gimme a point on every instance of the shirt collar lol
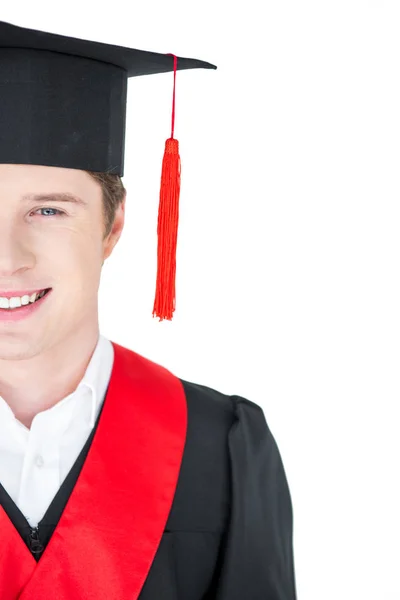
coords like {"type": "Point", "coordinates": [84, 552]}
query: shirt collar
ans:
{"type": "Point", "coordinates": [97, 376]}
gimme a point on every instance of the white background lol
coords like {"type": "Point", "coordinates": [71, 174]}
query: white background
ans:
{"type": "Point", "coordinates": [288, 249]}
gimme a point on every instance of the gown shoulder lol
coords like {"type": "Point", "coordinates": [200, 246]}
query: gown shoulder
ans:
{"type": "Point", "coordinates": [256, 559]}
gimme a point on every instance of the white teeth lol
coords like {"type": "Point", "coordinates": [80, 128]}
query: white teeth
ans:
{"type": "Point", "coordinates": [16, 302]}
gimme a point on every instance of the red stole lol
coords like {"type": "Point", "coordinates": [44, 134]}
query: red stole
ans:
{"type": "Point", "coordinates": [111, 527]}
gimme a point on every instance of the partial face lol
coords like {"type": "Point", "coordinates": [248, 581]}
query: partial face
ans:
{"type": "Point", "coordinates": [51, 244]}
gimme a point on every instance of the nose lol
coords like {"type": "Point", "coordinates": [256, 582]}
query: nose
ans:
{"type": "Point", "coordinates": [15, 254]}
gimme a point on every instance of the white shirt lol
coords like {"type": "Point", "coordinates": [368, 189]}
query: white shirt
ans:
{"type": "Point", "coordinates": [34, 462]}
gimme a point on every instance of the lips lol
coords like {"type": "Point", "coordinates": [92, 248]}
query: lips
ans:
{"type": "Point", "coordinates": [17, 308]}
{"type": "Point", "coordinates": [47, 290]}
{"type": "Point", "coordinates": [21, 293]}
{"type": "Point", "coordinates": [11, 316]}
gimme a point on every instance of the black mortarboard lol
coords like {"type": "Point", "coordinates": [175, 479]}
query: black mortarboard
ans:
{"type": "Point", "coordinates": [63, 104]}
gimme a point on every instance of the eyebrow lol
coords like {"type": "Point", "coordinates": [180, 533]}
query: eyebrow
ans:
{"type": "Point", "coordinates": [57, 197]}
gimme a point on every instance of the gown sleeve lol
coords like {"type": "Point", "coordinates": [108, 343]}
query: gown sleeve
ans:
{"type": "Point", "coordinates": [257, 561]}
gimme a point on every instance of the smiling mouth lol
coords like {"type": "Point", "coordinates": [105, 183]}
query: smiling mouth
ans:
{"type": "Point", "coordinates": [25, 306]}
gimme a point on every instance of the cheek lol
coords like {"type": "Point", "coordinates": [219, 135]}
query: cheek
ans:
{"type": "Point", "coordinates": [71, 244]}
{"type": "Point", "coordinates": [76, 258]}
{"type": "Point", "coordinates": [71, 261]}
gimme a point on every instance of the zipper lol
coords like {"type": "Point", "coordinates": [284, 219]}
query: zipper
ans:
{"type": "Point", "coordinates": [35, 545]}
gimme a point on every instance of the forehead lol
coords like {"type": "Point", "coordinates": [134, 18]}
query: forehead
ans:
{"type": "Point", "coordinates": [26, 181]}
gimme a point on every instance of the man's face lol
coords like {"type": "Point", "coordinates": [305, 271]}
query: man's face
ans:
{"type": "Point", "coordinates": [51, 244]}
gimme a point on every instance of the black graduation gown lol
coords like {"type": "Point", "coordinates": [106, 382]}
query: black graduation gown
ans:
{"type": "Point", "coordinates": [229, 534]}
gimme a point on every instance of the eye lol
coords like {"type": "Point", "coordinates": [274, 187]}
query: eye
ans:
{"type": "Point", "coordinates": [49, 208]}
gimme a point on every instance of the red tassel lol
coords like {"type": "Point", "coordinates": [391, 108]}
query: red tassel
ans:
{"type": "Point", "coordinates": [167, 229]}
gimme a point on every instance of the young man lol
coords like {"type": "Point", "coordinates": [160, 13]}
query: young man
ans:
{"type": "Point", "coordinates": [118, 479]}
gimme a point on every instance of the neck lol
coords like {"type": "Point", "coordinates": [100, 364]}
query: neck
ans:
{"type": "Point", "coordinates": [33, 384]}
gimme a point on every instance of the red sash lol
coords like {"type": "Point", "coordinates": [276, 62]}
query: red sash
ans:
{"type": "Point", "coordinates": [111, 527]}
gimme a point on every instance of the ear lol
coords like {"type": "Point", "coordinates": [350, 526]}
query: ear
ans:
{"type": "Point", "coordinates": [115, 233]}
